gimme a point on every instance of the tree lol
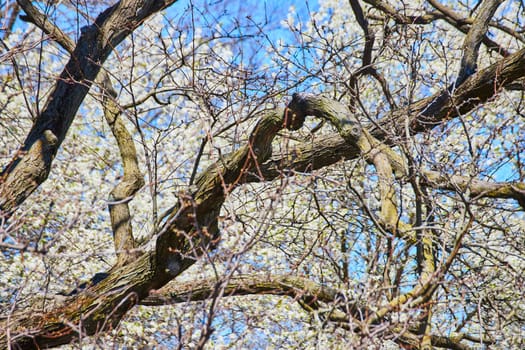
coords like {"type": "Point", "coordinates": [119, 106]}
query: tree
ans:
{"type": "Point", "coordinates": [347, 176]}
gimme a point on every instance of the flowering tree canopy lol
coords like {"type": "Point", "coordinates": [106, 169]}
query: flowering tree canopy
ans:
{"type": "Point", "coordinates": [262, 174]}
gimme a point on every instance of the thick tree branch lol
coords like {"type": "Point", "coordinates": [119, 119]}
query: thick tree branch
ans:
{"type": "Point", "coordinates": [101, 307]}
{"type": "Point", "coordinates": [188, 232]}
{"type": "Point", "coordinates": [387, 163]}
{"type": "Point", "coordinates": [474, 37]}
{"type": "Point", "coordinates": [422, 116]}
{"type": "Point", "coordinates": [331, 149]}
{"type": "Point", "coordinates": [439, 180]}
{"type": "Point", "coordinates": [377, 154]}
{"type": "Point", "coordinates": [191, 228]}
{"type": "Point", "coordinates": [293, 286]}
{"type": "Point", "coordinates": [132, 179]}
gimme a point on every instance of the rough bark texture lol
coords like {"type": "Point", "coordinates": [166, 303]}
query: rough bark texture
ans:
{"type": "Point", "coordinates": [101, 308]}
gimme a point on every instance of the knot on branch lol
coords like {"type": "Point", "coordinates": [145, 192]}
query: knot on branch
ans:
{"type": "Point", "coordinates": [49, 142]}
{"type": "Point", "coordinates": [351, 132]}
{"type": "Point", "coordinates": [296, 111]}
{"type": "Point", "coordinates": [96, 279]}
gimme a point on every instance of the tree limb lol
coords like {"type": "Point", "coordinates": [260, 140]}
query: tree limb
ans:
{"type": "Point", "coordinates": [474, 37]}
{"type": "Point", "coordinates": [422, 115]}
{"type": "Point", "coordinates": [42, 21]}
{"type": "Point", "coordinates": [456, 20]}
{"type": "Point", "coordinates": [300, 289]}
{"type": "Point", "coordinates": [132, 179]}
{"type": "Point", "coordinates": [293, 286]}
{"type": "Point", "coordinates": [189, 231]}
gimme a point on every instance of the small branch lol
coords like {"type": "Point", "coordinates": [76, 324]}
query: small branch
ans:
{"type": "Point", "coordinates": [132, 179]}
{"type": "Point", "coordinates": [386, 162]}
{"type": "Point", "coordinates": [366, 67]}
{"type": "Point", "coordinates": [392, 12]}
{"type": "Point", "coordinates": [457, 21]}
{"type": "Point", "coordinates": [446, 14]}
{"type": "Point", "coordinates": [423, 18]}
{"type": "Point", "coordinates": [369, 36]}
{"type": "Point", "coordinates": [477, 188]}
{"type": "Point", "coordinates": [33, 15]}
{"type": "Point", "coordinates": [474, 37]}
{"type": "Point", "coordinates": [310, 295]}
{"type": "Point", "coordinates": [7, 23]}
